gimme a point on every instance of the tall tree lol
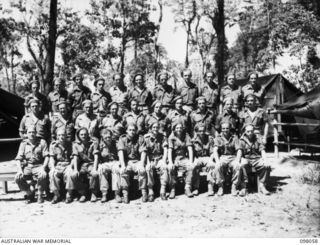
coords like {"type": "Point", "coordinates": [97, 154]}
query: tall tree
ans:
{"type": "Point", "coordinates": [51, 48]}
{"type": "Point", "coordinates": [185, 13]}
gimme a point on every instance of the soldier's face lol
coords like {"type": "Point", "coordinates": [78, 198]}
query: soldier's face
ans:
{"type": "Point", "coordinates": [155, 128]}
{"type": "Point", "coordinates": [201, 105]}
{"type": "Point", "coordinates": [83, 135]}
{"type": "Point", "coordinates": [163, 79]}
{"type": "Point", "coordinates": [63, 109]}
{"type": "Point", "coordinates": [228, 105]}
{"type": "Point", "coordinates": [201, 131]}
{"type": "Point", "coordinates": [235, 108]}
{"type": "Point", "coordinates": [187, 76]}
{"type": "Point", "coordinates": [225, 129]}
{"type": "Point", "coordinates": [157, 108]}
{"type": "Point", "coordinates": [34, 87]}
{"type": "Point", "coordinates": [106, 137]}
{"type": "Point", "coordinates": [78, 81]}
{"type": "Point", "coordinates": [58, 86]}
{"type": "Point", "coordinates": [230, 80]}
{"type": "Point", "coordinates": [253, 78]}
{"type": "Point", "coordinates": [87, 108]}
{"type": "Point", "coordinates": [178, 104]}
{"type": "Point", "coordinates": [209, 77]}
{"type": "Point", "coordinates": [250, 102]}
{"type": "Point", "coordinates": [131, 131]}
{"type": "Point", "coordinates": [134, 106]}
{"type": "Point", "coordinates": [31, 134]}
{"type": "Point", "coordinates": [249, 132]}
{"type": "Point", "coordinates": [100, 85]}
{"type": "Point", "coordinates": [139, 81]}
{"type": "Point", "coordinates": [117, 79]}
{"type": "Point", "coordinates": [61, 136]}
{"type": "Point", "coordinates": [114, 110]}
{"type": "Point", "coordinates": [178, 129]}
{"type": "Point", "coordinates": [34, 107]}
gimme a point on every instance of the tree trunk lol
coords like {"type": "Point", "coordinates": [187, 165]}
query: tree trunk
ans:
{"type": "Point", "coordinates": [13, 80]}
{"type": "Point", "coordinates": [186, 63]}
{"type": "Point", "coordinates": [49, 73]}
{"type": "Point", "coordinates": [219, 27]}
{"type": "Point", "coordinates": [122, 56]}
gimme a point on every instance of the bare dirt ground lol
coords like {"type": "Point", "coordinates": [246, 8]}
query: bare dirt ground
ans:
{"type": "Point", "coordinates": [293, 210]}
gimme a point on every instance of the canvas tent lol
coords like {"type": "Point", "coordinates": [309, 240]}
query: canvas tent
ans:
{"type": "Point", "coordinates": [11, 113]}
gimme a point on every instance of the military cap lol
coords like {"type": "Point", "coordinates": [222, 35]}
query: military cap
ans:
{"type": "Point", "coordinates": [79, 74]}
{"type": "Point", "coordinates": [201, 98]}
{"type": "Point", "coordinates": [112, 103]}
{"type": "Point", "coordinates": [62, 101]}
{"type": "Point", "coordinates": [97, 80]}
{"type": "Point", "coordinates": [251, 95]}
{"type": "Point", "coordinates": [177, 98]}
{"type": "Point", "coordinates": [175, 123]}
{"type": "Point", "coordinates": [156, 102]}
{"type": "Point", "coordinates": [226, 99]}
{"type": "Point", "coordinates": [33, 100]}
{"type": "Point", "coordinates": [87, 102]}
{"type": "Point", "coordinates": [162, 73]}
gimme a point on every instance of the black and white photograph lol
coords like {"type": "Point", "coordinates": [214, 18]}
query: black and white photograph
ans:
{"type": "Point", "coordinates": [159, 119]}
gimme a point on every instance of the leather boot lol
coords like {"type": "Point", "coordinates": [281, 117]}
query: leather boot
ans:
{"type": "Point", "coordinates": [125, 196]}
{"type": "Point", "coordinates": [117, 197]}
{"type": "Point", "coordinates": [234, 191]}
{"type": "Point", "coordinates": [55, 199]}
{"type": "Point", "coordinates": [68, 197]}
{"type": "Point", "coordinates": [188, 192]}
{"type": "Point", "coordinates": [263, 189]}
{"type": "Point", "coordinates": [172, 193]}
{"type": "Point", "coordinates": [220, 190]}
{"type": "Point", "coordinates": [144, 195]}
{"type": "Point", "coordinates": [104, 198]}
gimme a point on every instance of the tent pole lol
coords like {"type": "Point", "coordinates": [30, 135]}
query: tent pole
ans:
{"type": "Point", "coordinates": [276, 138]}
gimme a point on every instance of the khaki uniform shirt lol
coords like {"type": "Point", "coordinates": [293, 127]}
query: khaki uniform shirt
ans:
{"type": "Point", "coordinates": [59, 152]}
{"type": "Point", "coordinates": [107, 153]}
{"type": "Point", "coordinates": [143, 97]}
{"type": "Point", "coordinates": [175, 116]}
{"type": "Point", "coordinates": [131, 148]}
{"type": "Point", "coordinates": [90, 123]}
{"type": "Point", "coordinates": [154, 145]}
{"type": "Point", "coordinates": [206, 118]}
{"type": "Point", "coordinates": [84, 152]}
{"type": "Point", "coordinates": [55, 97]}
{"type": "Point", "coordinates": [203, 148]}
{"type": "Point", "coordinates": [162, 120]}
{"type": "Point", "coordinates": [229, 117]}
{"type": "Point", "coordinates": [164, 94]}
{"type": "Point", "coordinates": [59, 122]}
{"type": "Point", "coordinates": [137, 119]}
{"type": "Point", "coordinates": [228, 91]}
{"type": "Point", "coordinates": [41, 123]}
{"type": "Point", "coordinates": [211, 95]}
{"type": "Point", "coordinates": [227, 146]}
{"type": "Point", "coordinates": [258, 121]}
{"type": "Point", "coordinates": [179, 146]}
{"type": "Point", "coordinates": [100, 100]}
{"type": "Point", "coordinates": [77, 96]}
{"type": "Point", "coordinates": [113, 124]}
{"type": "Point", "coordinates": [257, 90]}
{"type": "Point", "coordinates": [189, 95]}
{"type": "Point", "coordinates": [33, 154]}
{"type": "Point", "coordinates": [251, 150]}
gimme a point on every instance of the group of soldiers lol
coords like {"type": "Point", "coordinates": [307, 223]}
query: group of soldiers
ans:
{"type": "Point", "coordinates": [84, 144]}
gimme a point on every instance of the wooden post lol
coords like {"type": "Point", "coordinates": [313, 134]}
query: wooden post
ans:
{"type": "Point", "coordinates": [5, 187]}
{"type": "Point", "coordinates": [276, 138]}
{"type": "Point", "coordinates": [288, 139]}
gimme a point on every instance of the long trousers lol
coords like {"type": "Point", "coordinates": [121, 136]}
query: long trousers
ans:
{"type": "Point", "coordinates": [260, 167]}
{"type": "Point", "coordinates": [107, 170]}
{"type": "Point", "coordinates": [34, 173]}
{"type": "Point", "coordinates": [87, 179]}
{"type": "Point", "coordinates": [159, 167]}
{"type": "Point", "coordinates": [186, 167]}
{"type": "Point", "coordinates": [200, 163]}
{"type": "Point", "coordinates": [62, 173]}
